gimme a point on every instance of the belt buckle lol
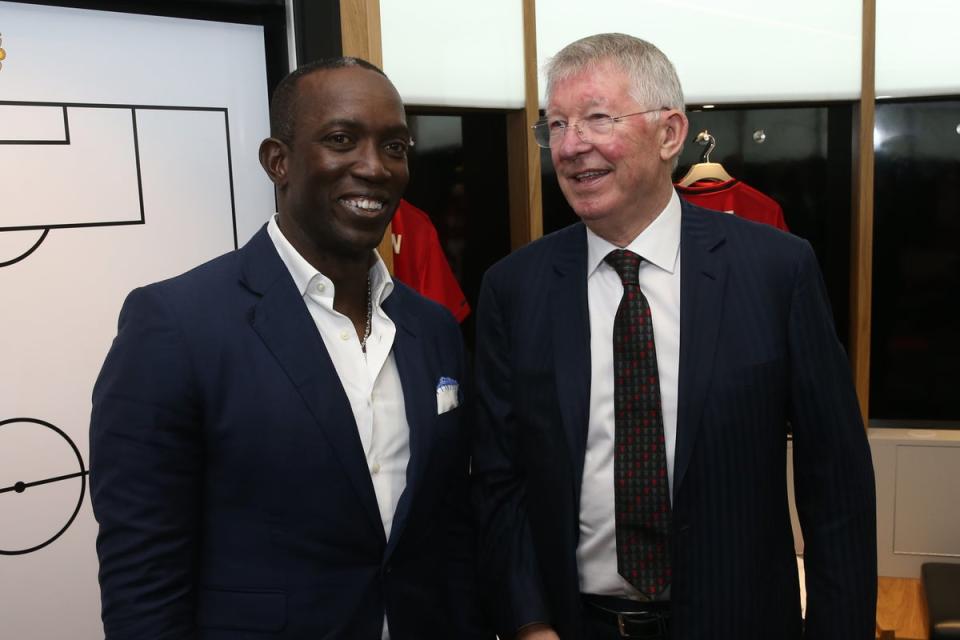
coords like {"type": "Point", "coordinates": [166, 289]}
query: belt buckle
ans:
{"type": "Point", "coordinates": [644, 618]}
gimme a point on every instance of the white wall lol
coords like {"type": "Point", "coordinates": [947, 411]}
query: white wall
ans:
{"type": "Point", "coordinates": [730, 51]}
{"type": "Point", "coordinates": [918, 481]}
{"type": "Point", "coordinates": [918, 50]}
{"type": "Point", "coordinates": [459, 54]}
{"type": "Point", "coordinates": [470, 54]}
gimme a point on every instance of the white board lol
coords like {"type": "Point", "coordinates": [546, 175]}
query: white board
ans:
{"type": "Point", "coordinates": [128, 154]}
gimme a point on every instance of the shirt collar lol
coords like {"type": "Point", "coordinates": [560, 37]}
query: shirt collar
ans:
{"type": "Point", "coordinates": [304, 273]}
{"type": "Point", "coordinates": [658, 244]}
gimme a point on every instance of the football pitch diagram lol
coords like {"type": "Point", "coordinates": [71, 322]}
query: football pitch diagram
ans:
{"type": "Point", "coordinates": [80, 165]}
{"type": "Point", "coordinates": [71, 166]}
{"type": "Point", "coordinates": [37, 503]}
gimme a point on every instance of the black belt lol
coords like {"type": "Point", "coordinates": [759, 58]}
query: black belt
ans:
{"type": "Point", "coordinates": [631, 618]}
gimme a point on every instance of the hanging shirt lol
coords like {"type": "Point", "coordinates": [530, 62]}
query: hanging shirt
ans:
{"type": "Point", "coordinates": [737, 198]}
{"type": "Point", "coordinates": [419, 261]}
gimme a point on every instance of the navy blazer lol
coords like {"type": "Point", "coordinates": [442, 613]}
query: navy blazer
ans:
{"type": "Point", "coordinates": [758, 350]}
{"type": "Point", "coordinates": [228, 478]}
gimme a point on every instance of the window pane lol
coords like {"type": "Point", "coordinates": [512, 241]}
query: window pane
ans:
{"type": "Point", "coordinates": [916, 263]}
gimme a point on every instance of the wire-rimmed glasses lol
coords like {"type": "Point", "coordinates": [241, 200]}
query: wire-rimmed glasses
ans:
{"type": "Point", "coordinates": [593, 130]}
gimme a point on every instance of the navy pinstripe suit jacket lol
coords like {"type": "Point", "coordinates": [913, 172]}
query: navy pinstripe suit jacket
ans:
{"type": "Point", "coordinates": [231, 486]}
{"type": "Point", "coordinates": [758, 350]}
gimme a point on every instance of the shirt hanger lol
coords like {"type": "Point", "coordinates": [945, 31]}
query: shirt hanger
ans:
{"type": "Point", "coordinates": [705, 170]}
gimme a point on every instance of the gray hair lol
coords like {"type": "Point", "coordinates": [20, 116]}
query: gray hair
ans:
{"type": "Point", "coordinates": [654, 80]}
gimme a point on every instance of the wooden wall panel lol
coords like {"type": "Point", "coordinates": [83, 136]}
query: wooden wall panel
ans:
{"type": "Point", "coordinates": [861, 238]}
{"type": "Point", "coordinates": [523, 161]}
{"type": "Point", "coordinates": [360, 32]}
{"type": "Point", "coordinates": [360, 29]}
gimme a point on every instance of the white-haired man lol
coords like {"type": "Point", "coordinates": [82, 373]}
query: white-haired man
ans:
{"type": "Point", "coordinates": [636, 374]}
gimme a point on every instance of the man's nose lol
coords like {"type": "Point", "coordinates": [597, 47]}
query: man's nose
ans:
{"type": "Point", "coordinates": [369, 162]}
{"type": "Point", "coordinates": [570, 144]}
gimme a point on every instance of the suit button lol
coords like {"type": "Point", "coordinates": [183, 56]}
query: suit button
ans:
{"type": "Point", "coordinates": [387, 570]}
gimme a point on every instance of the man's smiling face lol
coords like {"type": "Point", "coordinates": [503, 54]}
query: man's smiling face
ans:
{"type": "Point", "coordinates": [606, 183]}
{"type": "Point", "coordinates": [346, 166]}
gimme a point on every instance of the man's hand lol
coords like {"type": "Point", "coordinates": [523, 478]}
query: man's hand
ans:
{"type": "Point", "coordinates": [537, 632]}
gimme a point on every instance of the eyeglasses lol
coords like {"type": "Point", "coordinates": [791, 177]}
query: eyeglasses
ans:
{"type": "Point", "coordinates": [595, 129]}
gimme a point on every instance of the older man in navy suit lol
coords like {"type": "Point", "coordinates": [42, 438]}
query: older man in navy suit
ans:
{"type": "Point", "coordinates": [276, 444]}
{"type": "Point", "coordinates": [636, 374]}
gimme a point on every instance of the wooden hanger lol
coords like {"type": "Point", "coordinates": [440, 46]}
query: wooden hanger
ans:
{"type": "Point", "coordinates": [705, 170]}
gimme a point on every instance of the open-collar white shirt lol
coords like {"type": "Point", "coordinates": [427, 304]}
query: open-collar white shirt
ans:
{"type": "Point", "coordinates": [371, 381]}
{"type": "Point", "coordinates": [659, 275]}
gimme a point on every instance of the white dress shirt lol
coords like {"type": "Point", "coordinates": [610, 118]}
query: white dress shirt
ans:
{"type": "Point", "coordinates": [659, 275]}
{"type": "Point", "coordinates": [371, 381]}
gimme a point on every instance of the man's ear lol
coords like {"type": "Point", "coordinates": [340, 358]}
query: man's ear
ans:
{"type": "Point", "coordinates": [273, 159]}
{"type": "Point", "coordinates": [673, 133]}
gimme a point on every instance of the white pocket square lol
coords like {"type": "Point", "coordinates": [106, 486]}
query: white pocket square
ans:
{"type": "Point", "coordinates": [448, 395]}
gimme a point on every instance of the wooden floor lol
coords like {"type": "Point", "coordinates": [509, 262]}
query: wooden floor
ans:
{"type": "Point", "coordinates": [901, 609]}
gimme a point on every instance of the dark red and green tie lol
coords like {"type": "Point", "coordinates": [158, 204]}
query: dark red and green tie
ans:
{"type": "Point", "coordinates": [641, 489]}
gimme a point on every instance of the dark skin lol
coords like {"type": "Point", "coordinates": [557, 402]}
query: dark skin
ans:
{"type": "Point", "coordinates": [339, 180]}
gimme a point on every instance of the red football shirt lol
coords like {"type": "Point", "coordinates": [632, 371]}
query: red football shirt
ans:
{"type": "Point", "coordinates": [419, 261]}
{"type": "Point", "coordinates": [737, 198]}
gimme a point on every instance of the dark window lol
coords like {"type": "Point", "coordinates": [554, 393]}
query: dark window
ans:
{"type": "Point", "coordinates": [916, 264]}
{"type": "Point", "coordinates": [458, 176]}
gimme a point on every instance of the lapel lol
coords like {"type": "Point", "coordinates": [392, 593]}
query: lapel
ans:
{"type": "Point", "coordinates": [571, 343]}
{"type": "Point", "coordinates": [419, 403]}
{"type": "Point", "coordinates": [282, 321]}
{"type": "Point", "coordinates": [703, 274]}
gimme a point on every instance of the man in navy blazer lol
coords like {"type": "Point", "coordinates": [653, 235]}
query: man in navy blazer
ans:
{"type": "Point", "coordinates": [276, 443]}
{"type": "Point", "coordinates": [744, 346]}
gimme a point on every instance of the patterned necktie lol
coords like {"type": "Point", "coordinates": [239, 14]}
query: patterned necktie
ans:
{"type": "Point", "coordinates": [641, 490]}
